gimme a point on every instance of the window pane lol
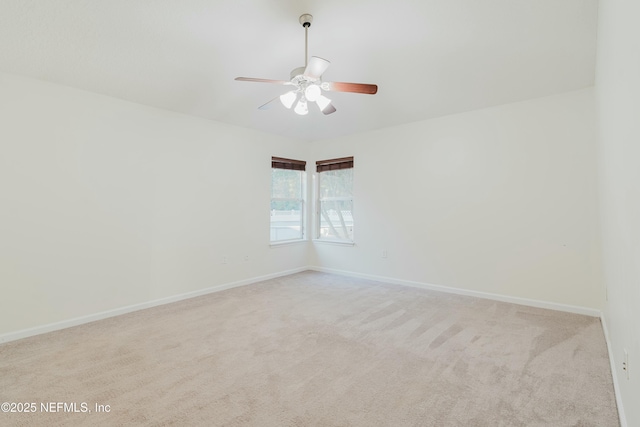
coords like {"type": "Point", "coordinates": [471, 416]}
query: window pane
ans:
{"type": "Point", "coordinates": [286, 184]}
{"type": "Point", "coordinates": [286, 220]}
{"type": "Point", "coordinates": [337, 183]}
{"type": "Point", "coordinates": [336, 219]}
{"type": "Point", "coordinates": [287, 203]}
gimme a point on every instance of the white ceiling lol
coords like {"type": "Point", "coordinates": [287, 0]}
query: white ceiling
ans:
{"type": "Point", "coordinates": [429, 57]}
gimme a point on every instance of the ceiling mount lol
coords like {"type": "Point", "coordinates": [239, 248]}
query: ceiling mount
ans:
{"type": "Point", "coordinates": [306, 20]}
{"type": "Point", "coordinates": [308, 84]}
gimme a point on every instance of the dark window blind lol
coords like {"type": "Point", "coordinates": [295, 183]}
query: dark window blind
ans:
{"type": "Point", "coordinates": [334, 164]}
{"type": "Point", "coordinates": [282, 163]}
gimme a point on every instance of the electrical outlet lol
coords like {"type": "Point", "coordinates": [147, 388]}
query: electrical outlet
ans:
{"type": "Point", "coordinates": [246, 258]}
{"type": "Point", "coordinates": [625, 363]}
{"type": "Point", "coordinates": [224, 260]}
{"type": "Point", "coordinates": [384, 253]}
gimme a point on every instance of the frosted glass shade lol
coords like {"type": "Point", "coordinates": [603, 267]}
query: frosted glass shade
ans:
{"type": "Point", "coordinates": [323, 102]}
{"type": "Point", "coordinates": [312, 92]}
{"type": "Point", "coordinates": [301, 107]}
{"type": "Point", "coordinates": [288, 99]}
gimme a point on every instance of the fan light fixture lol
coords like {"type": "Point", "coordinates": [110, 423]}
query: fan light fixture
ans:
{"type": "Point", "coordinates": [308, 84]}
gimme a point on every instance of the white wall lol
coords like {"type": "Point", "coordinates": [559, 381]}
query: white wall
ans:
{"type": "Point", "coordinates": [105, 204]}
{"type": "Point", "coordinates": [501, 200]}
{"type": "Point", "coordinates": [618, 102]}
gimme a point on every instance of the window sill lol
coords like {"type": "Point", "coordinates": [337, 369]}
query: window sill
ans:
{"type": "Point", "coordinates": [287, 243]}
{"type": "Point", "coordinates": [334, 242]}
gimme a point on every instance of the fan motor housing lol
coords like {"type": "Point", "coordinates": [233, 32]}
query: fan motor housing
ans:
{"type": "Point", "coordinates": [297, 74]}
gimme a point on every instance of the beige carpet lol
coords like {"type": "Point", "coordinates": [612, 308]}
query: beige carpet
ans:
{"type": "Point", "coordinates": [316, 349]}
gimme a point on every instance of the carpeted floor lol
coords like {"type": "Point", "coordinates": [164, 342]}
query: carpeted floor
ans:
{"type": "Point", "coordinates": [315, 349]}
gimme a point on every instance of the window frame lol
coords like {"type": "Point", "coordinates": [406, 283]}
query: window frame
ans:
{"type": "Point", "coordinates": [327, 166]}
{"type": "Point", "coordinates": [292, 165]}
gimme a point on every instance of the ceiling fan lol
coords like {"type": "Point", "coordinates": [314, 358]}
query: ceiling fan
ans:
{"type": "Point", "coordinates": [307, 82]}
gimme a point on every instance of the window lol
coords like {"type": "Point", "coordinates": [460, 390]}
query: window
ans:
{"type": "Point", "coordinates": [287, 199]}
{"type": "Point", "coordinates": [335, 199]}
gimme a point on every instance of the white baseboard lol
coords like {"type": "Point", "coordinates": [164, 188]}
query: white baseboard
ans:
{"type": "Point", "coordinates": [11, 336]}
{"type": "Point", "coordinates": [486, 295]}
{"type": "Point", "coordinates": [616, 384]}
{"type": "Point", "coordinates": [24, 333]}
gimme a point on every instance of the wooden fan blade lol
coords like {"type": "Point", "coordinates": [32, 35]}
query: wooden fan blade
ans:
{"type": "Point", "coordinates": [351, 87]}
{"type": "Point", "coordinates": [251, 79]}
{"type": "Point", "coordinates": [316, 67]}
